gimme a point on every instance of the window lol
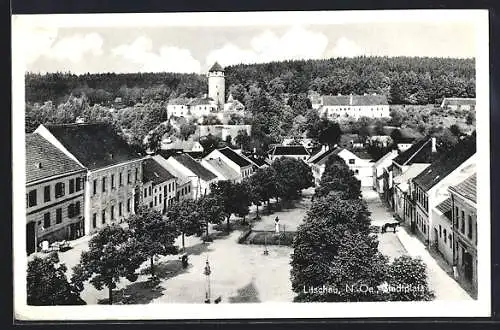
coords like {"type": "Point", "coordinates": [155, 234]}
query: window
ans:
{"type": "Point", "coordinates": [469, 232]}
{"type": "Point", "coordinates": [71, 210]}
{"type": "Point", "coordinates": [58, 215]}
{"type": "Point", "coordinates": [78, 184]}
{"type": "Point", "coordinates": [32, 198]}
{"type": "Point", "coordinates": [95, 187]}
{"type": "Point", "coordinates": [462, 226]}
{"type": "Point", "coordinates": [112, 212]}
{"type": "Point", "coordinates": [449, 238]}
{"type": "Point", "coordinates": [351, 161]}
{"type": "Point", "coordinates": [440, 231]}
{"type": "Point", "coordinates": [112, 181]}
{"type": "Point", "coordinates": [444, 232]}
{"type": "Point", "coordinates": [46, 194]}
{"type": "Point", "coordinates": [77, 208]}
{"type": "Point", "coordinates": [46, 220]}
{"type": "Point", "coordinates": [169, 187]}
{"type": "Point", "coordinates": [356, 171]}
{"type": "Point", "coordinates": [120, 209]}
{"type": "Point", "coordinates": [151, 204]}
{"type": "Point", "coordinates": [159, 199]}
{"type": "Point", "coordinates": [94, 220]}
{"type": "Point", "coordinates": [120, 179]}
{"type": "Point", "coordinates": [136, 174]}
{"type": "Point", "coordinates": [128, 205]}
{"type": "Point", "coordinates": [128, 177]}
{"type": "Point", "coordinates": [59, 189]}
{"type": "Point", "coordinates": [150, 191]}
{"type": "Point", "coordinates": [145, 193]}
{"type": "Point", "coordinates": [104, 184]}
{"type": "Point", "coordinates": [71, 186]}
{"type": "Point", "coordinates": [189, 188]}
{"type": "Point", "coordinates": [103, 216]}
{"type": "Point", "coordinates": [156, 201]}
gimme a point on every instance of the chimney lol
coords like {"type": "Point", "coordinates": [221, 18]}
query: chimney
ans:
{"type": "Point", "coordinates": [350, 99]}
{"type": "Point", "coordinates": [205, 95]}
{"type": "Point", "coordinates": [433, 141]}
{"type": "Point", "coordinates": [254, 150]}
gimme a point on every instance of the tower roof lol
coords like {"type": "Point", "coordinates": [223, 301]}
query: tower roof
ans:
{"type": "Point", "coordinates": [216, 67]}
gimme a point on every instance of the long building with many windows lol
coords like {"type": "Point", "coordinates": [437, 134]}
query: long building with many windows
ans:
{"type": "Point", "coordinates": [114, 171]}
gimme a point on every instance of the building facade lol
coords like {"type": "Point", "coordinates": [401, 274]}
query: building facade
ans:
{"type": "Point", "coordinates": [114, 170]}
{"type": "Point", "coordinates": [353, 106]}
{"type": "Point", "coordinates": [235, 161]}
{"type": "Point", "coordinates": [297, 152]}
{"type": "Point", "coordinates": [464, 214]}
{"type": "Point", "coordinates": [378, 170]}
{"type": "Point", "coordinates": [55, 186]}
{"type": "Point", "coordinates": [159, 186]}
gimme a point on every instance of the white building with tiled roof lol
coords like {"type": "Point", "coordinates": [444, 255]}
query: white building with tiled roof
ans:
{"type": "Point", "coordinates": [54, 194]}
{"type": "Point", "coordinates": [353, 106]}
{"type": "Point", "coordinates": [458, 103]}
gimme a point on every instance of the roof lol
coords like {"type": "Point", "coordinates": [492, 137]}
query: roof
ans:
{"type": "Point", "coordinates": [419, 152]}
{"type": "Point", "coordinates": [445, 207]}
{"type": "Point", "coordinates": [259, 161]}
{"type": "Point", "coordinates": [324, 157]}
{"type": "Point", "coordinates": [289, 150]}
{"type": "Point", "coordinates": [361, 154]}
{"type": "Point", "coordinates": [443, 166]}
{"type": "Point", "coordinates": [225, 170]}
{"type": "Point", "coordinates": [458, 101]}
{"type": "Point", "coordinates": [235, 157]}
{"type": "Point", "coordinates": [181, 177]}
{"type": "Point", "coordinates": [385, 157]}
{"type": "Point", "coordinates": [180, 144]}
{"type": "Point", "coordinates": [152, 171]}
{"type": "Point", "coordinates": [467, 188]}
{"type": "Point", "coordinates": [216, 67]}
{"type": "Point", "coordinates": [201, 101]}
{"type": "Point", "coordinates": [94, 145]}
{"type": "Point", "coordinates": [412, 171]}
{"type": "Point", "coordinates": [357, 100]}
{"type": "Point", "coordinates": [44, 160]}
{"type": "Point", "coordinates": [179, 101]}
{"type": "Point", "coordinates": [195, 167]}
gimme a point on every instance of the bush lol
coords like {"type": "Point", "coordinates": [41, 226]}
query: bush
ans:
{"type": "Point", "coordinates": [270, 238]}
{"type": "Point", "coordinates": [244, 236]}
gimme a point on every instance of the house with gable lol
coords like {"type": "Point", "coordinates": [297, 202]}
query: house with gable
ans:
{"type": "Point", "coordinates": [159, 186]}
{"type": "Point", "coordinates": [55, 186]}
{"type": "Point", "coordinates": [354, 106]}
{"type": "Point", "coordinates": [430, 187]}
{"type": "Point", "coordinates": [182, 189]}
{"type": "Point", "coordinates": [114, 170]}
{"type": "Point", "coordinates": [458, 103]}
{"type": "Point", "coordinates": [200, 176]}
{"type": "Point", "coordinates": [463, 197]}
{"type": "Point", "coordinates": [233, 161]}
{"type": "Point", "coordinates": [291, 151]}
{"type": "Point", "coordinates": [378, 170]}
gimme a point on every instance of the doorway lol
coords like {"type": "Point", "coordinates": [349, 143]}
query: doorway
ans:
{"type": "Point", "coordinates": [467, 264]}
{"type": "Point", "coordinates": [30, 238]}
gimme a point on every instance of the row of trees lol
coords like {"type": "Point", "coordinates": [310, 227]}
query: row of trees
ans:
{"type": "Point", "coordinates": [117, 252]}
{"type": "Point", "coordinates": [334, 248]}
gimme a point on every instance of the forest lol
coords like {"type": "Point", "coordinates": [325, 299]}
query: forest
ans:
{"type": "Point", "coordinates": [275, 94]}
{"type": "Point", "coordinates": [404, 80]}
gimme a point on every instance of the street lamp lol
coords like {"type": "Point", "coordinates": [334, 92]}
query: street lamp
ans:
{"type": "Point", "coordinates": [207, 273]}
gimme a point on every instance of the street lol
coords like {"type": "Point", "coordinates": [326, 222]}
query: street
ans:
{"type": "Point", "coordinates": [394, 245]}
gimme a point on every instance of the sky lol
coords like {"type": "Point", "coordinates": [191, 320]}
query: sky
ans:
{"type": "Point", "coordinates": [194, 48]}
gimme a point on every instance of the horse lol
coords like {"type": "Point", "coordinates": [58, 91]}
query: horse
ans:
{"type": "Point", "coordinates": [392, 225]}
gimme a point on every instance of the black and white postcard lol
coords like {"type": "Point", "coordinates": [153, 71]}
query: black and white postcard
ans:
{"type": "Point", "coordinates": [251, 165]}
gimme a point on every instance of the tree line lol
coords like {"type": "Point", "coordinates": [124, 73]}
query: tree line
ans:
{"type": "Point", "coordinates": [117, 252]}
{"type": "Point", "coordinates": [336, 257]}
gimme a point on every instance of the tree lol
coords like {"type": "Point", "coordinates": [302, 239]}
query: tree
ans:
{"type": "Point", "coordinates": [186, 217]}
{"type": "Point", "coordinates": [338, 177]}
{"type": "Point", "coordinates": [210, 142]}
{"type": "Point", "coordinates": [233, 197]}
{"type": "Point", "coordinates": [186, 130]}
{"type": "Point", "coordinates": [292, 175]}
{"type": "Point", "coordinates": [113, 253]}
{"type": "Point", "coordinates": [471, 118]}
{"type": "Point", "coordinates": [211, 120]}
{"type": "Point", "coordinates": [329, 132]}
{"type": "Point", "coordinates": [243, 140]}
{"type": "Point", "coordinates": [210, 210]}
{"type": "Point", "coordinates": [411, 275]}
{"type": "Point", "coordinates": [333, 247]}
{"type": "Point", "coordinates": [47, 283]}
{"type": "Point", "coordinates": [154, 235]}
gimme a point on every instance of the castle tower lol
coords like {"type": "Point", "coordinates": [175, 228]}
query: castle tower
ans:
{"type": "Point", "coordinates": [216, 85]}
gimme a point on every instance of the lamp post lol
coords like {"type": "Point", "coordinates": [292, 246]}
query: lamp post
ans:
{"type": "Point", "coordinates": [207, 273]}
